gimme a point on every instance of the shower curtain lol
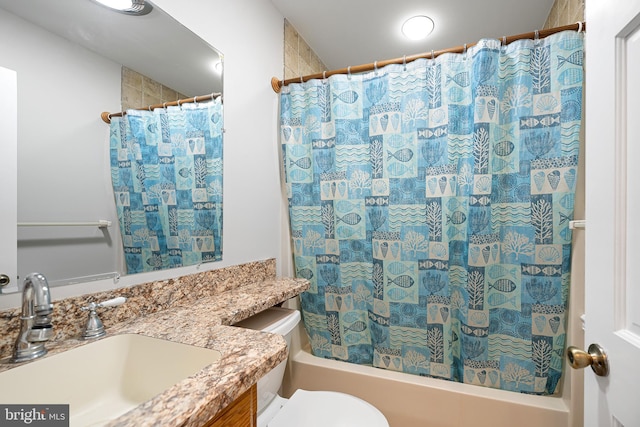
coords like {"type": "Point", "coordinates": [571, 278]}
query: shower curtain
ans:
{"type": "Point", "coordinates": [166, 170]}
{"type": "Point", "coordinates": [430, 206]}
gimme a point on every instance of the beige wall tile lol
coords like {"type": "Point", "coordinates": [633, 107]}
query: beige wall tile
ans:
{"type": "Point", "coordinates": [131, 97]}
{"type": "Point", "coordinates": [299, 58]}
{"type": "Point", "coordinates": [138, 91]}
{"type": "Point", "coordinates": [316, 64]}
{"type": "Point", "coordinates": [131, 78]}
{"type": "Point", "coordinates": [151, 88]}
{"type": "Point", "coordinates": [576, 10]}
{"type": "Point", "coordinates": [291, 58]}
{"type": "Point", "coordinates": [150, 100]}
{"type": "Point", "coordinates": [565, 12]}
{"type": "Point", "coordinates": [168, 94]}
{"type": "Point", "coordinates": [289, 73]}
{"type": "Point", "coordinates": [552, 19]}
{"type": "Point", "coordinates": [304, 51]}
{"type": "Point", "coordinates": [290, 35]}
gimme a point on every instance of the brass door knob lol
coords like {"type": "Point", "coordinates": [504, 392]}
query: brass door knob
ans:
{"type": "Point", "coordinates": [594, 357]}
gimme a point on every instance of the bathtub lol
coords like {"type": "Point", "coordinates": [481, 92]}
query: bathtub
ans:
{"type": "Point", "coordinates": [412, 401]}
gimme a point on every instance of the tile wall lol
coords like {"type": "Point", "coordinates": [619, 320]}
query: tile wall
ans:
{"type": "Point", "coordinates": [565, 12]}
{"type": "Point", "coordinates": [139, 91]}
{"type": "Point", "coordinates": [299, 59]}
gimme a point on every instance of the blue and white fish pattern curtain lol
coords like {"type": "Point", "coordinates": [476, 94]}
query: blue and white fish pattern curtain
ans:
{"type": "Point", "coordinates": [430, 207]}
{"type": "Point", "coordinates": [166, 170]}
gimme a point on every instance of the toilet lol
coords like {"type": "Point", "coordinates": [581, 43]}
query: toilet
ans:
{"type": "Point", "coordinates": [303, 408]}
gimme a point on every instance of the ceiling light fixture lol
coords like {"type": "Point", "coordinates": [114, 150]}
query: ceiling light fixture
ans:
{"type": "Point", "coordinates": [130, 7]}
{"type": "Point", "coordinates": [417, 27]}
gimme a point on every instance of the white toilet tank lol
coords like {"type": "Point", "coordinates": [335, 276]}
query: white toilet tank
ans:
{"type": "Point", "coordinates": [275, 320]}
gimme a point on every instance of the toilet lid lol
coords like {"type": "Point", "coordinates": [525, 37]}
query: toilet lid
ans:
{"type": "Point", "coordinates": [327, 409]}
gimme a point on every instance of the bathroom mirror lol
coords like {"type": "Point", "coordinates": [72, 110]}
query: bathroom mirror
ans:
{"type": "Point", "coordinates": [69, 57]}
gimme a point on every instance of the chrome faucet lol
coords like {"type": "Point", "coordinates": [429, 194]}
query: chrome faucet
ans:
{"type": "Point", "coordinates": [35, 321]}
{"type": "Point", "coordinates": [94, 327]}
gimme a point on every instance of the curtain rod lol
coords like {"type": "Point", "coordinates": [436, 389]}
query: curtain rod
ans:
{"type": "Point", "coordinates": [106, 116]}
{"type": "Point", "coordinates": [278, 84]}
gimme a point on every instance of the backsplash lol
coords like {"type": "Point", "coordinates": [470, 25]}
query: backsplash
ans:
{"type": "Point", "coordinates": [69, 320]}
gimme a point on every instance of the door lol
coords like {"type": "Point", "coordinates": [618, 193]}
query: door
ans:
{"type": "Point", "coordinates": [612, 294]}
{"type": "Point", "coordinates": [8, 179]}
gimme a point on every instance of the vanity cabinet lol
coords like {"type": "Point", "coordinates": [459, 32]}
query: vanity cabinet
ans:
{"type": "Point", "coordinates": [242, 412]}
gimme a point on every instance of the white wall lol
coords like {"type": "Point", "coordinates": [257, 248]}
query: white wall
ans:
{"type": "Point", "coordinates": [250, 35]}
{"type": "Point", "coordinates": [62, 157]}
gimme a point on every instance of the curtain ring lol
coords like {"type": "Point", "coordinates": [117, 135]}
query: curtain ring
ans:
{"type": "Point", "coordinates": [109, 116]}
{"type": "Point", "coordinates": [432, 55]}
{"type": "Point", "coordinates": [164, 105]}
{"type": "Point", "coordinates": [195, 101]}
{"type": "Point", "coordinates": [375, 67]}
{"type": "Point", "coordinates": [178, 102]}
{"type": "Point", "coordinates": [404, 62]}
{"type": "Point", "coordinates": [536, 38]}
{"type": "Point", "coordinates": [579, 26]}
{"type": "Point", "coordinates": [301, 81]}
{"type": "Point", "coordinates": [324, 75]}
{"type": "Point", "coordinates": [504, 40]}
{"type": "Point", "coordinates": [349, 72]}
{"type": "Point", "coordinates": [464, 51]}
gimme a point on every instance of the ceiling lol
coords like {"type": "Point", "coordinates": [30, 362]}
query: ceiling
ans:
{"type": "Point", "coordinates": [176, 57]}
{"type": "Point", "coordinates": [354, 32]}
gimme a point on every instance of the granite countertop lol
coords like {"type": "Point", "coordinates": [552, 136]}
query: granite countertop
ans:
{"type": "Point", "coordinates": [247, 355]}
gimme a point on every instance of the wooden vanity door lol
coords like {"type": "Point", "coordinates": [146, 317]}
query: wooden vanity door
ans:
{"type": "Point", "coordinates": [242, 412]}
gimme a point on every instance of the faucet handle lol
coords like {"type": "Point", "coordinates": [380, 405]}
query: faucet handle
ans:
{"type": "Point", "coordinates": [94, 327]}
{"type": "Point", "coordinates": [113, 302]}
{"type": "Point", "coordinates": [108, 303]}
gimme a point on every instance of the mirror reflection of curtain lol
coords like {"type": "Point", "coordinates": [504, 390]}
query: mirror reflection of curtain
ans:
{"type": "Point", "coordinates": [166, 170]}
{"type": "Point", "coordinates": [430, 211]}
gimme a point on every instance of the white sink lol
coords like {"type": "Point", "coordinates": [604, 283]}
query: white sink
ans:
{"type": "Point", "coordinates": [104, 379]}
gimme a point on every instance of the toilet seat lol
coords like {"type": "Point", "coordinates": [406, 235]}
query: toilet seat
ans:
{"type": "Point", "coordinates": [327, 409]}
